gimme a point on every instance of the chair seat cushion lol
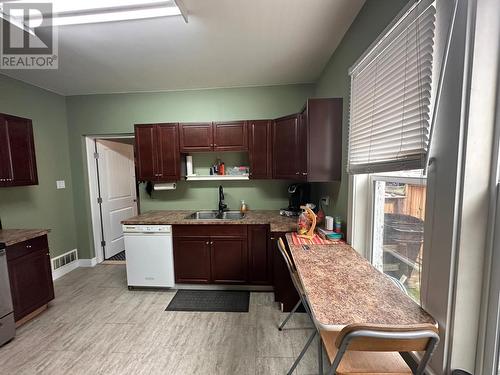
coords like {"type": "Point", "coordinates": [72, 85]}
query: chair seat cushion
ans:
{"type": "Point", "coordinates": [357, 362]}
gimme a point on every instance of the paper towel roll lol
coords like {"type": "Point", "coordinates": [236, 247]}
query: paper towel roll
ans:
{"type": "Point", "coordinates": [165, 186]}
{"type": "Point", "coordinates": [329, 222]}
{"type": "Point", "coordinates": [189, 165]}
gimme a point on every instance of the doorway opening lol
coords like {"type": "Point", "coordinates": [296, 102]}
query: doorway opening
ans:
{"type": "Point", "coordinates": [113, 192]}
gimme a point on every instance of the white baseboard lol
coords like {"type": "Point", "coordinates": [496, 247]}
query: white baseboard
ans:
{"type": "Point", "coordinates": [87, 262]}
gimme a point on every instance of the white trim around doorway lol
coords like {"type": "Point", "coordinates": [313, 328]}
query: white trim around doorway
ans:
{"type": "Point", "coordinates": [90, 147]}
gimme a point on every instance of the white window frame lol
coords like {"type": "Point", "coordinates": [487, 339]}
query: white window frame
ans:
{"type": "Point", "coordinates": [361, 200]}
{"type": "Point", "coordinates": [373, 178]}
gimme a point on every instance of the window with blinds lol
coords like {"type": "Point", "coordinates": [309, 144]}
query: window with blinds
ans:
{"type": "Point", "coordinates": [391, 97]}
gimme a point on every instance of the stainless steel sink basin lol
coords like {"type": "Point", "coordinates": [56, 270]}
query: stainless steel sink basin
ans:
{"type": "Point", "coordinates": [232, 215]}
{"type": "Point", "coordinates": [214, 215]}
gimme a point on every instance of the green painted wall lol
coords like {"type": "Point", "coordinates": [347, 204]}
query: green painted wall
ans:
{"type": "Point", "coordinates": [117, 113]}
{"type": "Point", "coordinates": [41, 206]}
{"type": "Point", "coordinates": [335, 82]}
{"type": "Point", "coordinates": [57, 119]}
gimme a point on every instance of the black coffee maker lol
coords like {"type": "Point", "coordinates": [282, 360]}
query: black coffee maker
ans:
{"type": "Point", "coordinates": [298, 195]}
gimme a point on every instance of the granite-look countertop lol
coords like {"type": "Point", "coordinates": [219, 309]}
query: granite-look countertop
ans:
{"type": "Point", "coordinates": [13, 236]}
{"type": "Point", "coordinates": [343, 288]}
{"type": "Point", "coordinates": [277, 222]}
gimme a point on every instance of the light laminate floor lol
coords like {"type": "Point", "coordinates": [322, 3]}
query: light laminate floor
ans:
{"type": "Point", "coordinates": [97, 326]}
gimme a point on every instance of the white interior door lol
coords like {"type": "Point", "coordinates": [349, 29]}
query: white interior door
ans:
{"type": "Point", "coordinates": [118, 191]}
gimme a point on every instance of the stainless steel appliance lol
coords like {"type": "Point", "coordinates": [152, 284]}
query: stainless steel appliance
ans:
{"type": "Point", "coordinates": [7, 325]}
{"type": "Point", "coordinates": [298, 195]}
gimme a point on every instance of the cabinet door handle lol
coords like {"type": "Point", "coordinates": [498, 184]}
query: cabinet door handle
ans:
{"type": "Point", "coordinates": [207, 243]}
{"type": "Point", "coordinates": [297, 173]}
{"type": "Point", "coordinates": [28, 246]}
{"type": "Point", "coordinates": [211, 243]}
{"type": "Point", "coordinates": [304, 173]}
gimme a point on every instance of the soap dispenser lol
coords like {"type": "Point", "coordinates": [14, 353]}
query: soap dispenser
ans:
{"type": "Point", "coordinates": [243, 207]}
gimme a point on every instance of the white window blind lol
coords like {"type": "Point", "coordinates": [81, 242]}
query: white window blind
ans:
{"type": "Point", "coordinates": [391, 96]}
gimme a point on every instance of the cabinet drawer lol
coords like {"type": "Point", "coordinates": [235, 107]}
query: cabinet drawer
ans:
{"type": "Point", "coordinates": [209, 230]}
{"type": "Point", "coordinates": [26, 247]}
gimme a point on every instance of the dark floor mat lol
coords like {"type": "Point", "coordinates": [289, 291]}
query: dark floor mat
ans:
{"type": "Point", "coordinates": [119, 256]}
{"type": "Point", "coordinates": [210, 300]}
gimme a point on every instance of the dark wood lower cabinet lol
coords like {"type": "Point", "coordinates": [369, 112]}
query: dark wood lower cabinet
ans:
{"type": "Point", "coordinates": [229, 261]}
{"type": "Point", "coordinates": [222, 254]}
{"type": "Point", "coordinates": [260, 266]}
{"type": "Point", "coordinates": [192, 259]}
{"type": "Point", "coordinates": [284, 290]}
{"type": "Point", "coordinates": [30, 275]}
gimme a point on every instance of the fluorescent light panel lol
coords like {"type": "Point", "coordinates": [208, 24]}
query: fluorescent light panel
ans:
{"type": "Point", "coordinates": [115, 16]}
{"type": "Point", "coordinates": [76, 12]}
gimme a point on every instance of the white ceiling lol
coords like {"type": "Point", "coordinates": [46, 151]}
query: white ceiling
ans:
{"type": "Point", "coordinates": [226, 43]}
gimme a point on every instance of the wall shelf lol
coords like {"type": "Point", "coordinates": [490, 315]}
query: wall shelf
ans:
{"type": "Point", "coordinates": [217, 178]}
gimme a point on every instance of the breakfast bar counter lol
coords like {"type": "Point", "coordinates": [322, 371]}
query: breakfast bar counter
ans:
{"type": "Point", "coordinates": [343, 288]}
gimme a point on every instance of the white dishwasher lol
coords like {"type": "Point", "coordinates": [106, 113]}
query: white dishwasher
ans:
{"type": "Point", "coordinates": [149, 256]}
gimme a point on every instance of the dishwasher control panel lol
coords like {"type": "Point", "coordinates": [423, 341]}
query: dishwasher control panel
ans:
{"type": "Point", "coordinates": [147, 228]}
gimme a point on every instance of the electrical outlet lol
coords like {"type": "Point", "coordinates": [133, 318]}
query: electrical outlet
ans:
{"type": "Point", "coordinates": [61, 184]}
{"type": "Point", "coordinates": [325, 201]}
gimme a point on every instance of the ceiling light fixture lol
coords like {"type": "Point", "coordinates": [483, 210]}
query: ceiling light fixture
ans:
{"type": "Point", "coordinates": [77, 12]}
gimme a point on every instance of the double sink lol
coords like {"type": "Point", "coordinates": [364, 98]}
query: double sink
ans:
{"type": "Point", "coordinates": [216, 215]}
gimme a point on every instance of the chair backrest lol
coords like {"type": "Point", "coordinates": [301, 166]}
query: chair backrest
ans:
{"type": "Point", "coordinates": [370, 337]}
{"type": "Point", "coordinates": [385, 338]}
{"type": "Point", "coordinates": [286, 257]}
{"type": "Point", "coordinates": [291, 267]}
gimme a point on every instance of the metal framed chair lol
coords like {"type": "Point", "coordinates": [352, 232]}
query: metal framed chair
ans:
{"type": "Point", "coordinates": [302, 300]}
{"type": "Point", "coordinates": [374, 349]}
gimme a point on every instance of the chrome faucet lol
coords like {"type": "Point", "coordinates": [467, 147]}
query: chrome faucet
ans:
{"type": "Point", "coordinates": [222, 206]}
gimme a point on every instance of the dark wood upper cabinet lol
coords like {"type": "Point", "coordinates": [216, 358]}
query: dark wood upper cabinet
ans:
{"type": "Point", "coordinates": [217, 136]}
{"type": "Point", "coordinates": [196, 137]}
{"type": "Point", "coordinates": [157, 152]}
{"type": "Point", "coordinates": [30, 275]}
{"type": "Point", "coordinates": [169, 156]}
{"type": "Point", "coordinates": [323, 125]}
{"type": "Point", "coordinates": [286, 148]}
{"type": "Point", "coordinates": [260, 149]}
{"type": "Point", "coordinates": [5, 168]}
{"type": "Point", "coordinates": [308, 146]}
{"type": "Point", "coordinates": [17, 152]}
{"type": "Point", "coordinates": [230, 136]}
{"type": "Point", "coordinates": [145, 152]}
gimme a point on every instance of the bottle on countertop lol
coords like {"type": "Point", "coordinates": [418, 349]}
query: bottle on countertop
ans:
{"type": "Point", "coordinates": [338, 224]}
{"type": "Point", "coordinates": [222, 169]}
{"type": "Point", "coordinates": [243, 207]}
